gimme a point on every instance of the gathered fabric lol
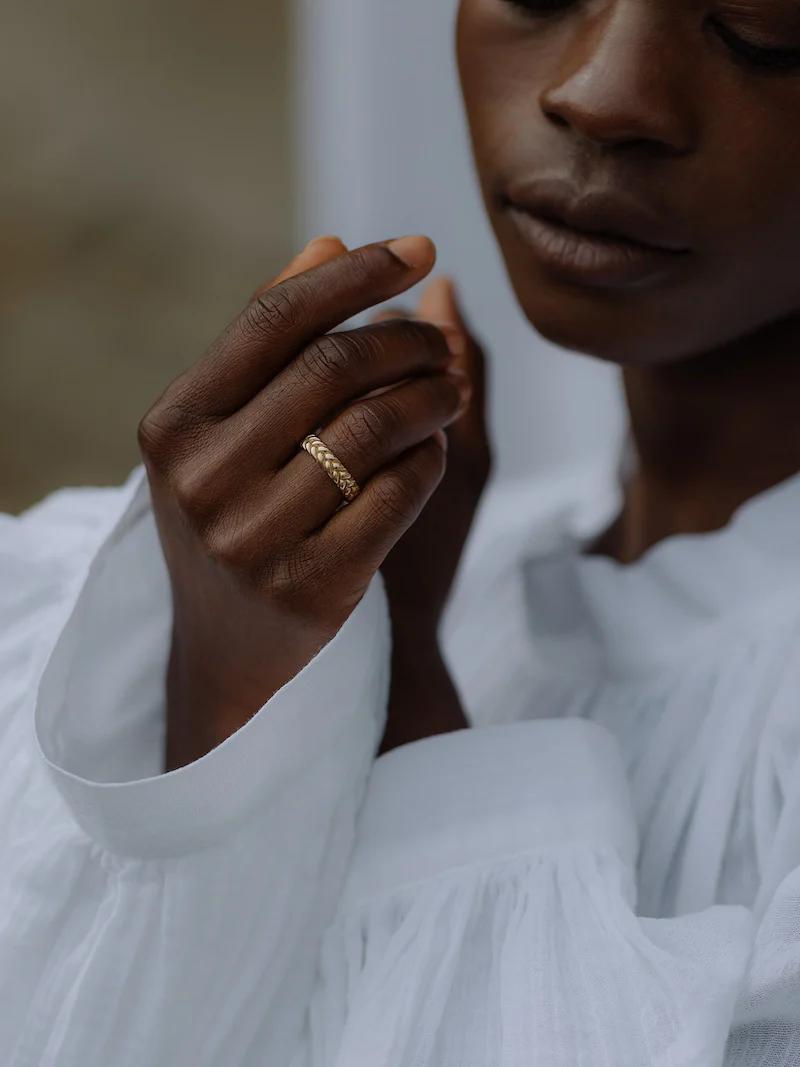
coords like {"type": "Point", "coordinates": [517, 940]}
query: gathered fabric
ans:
{"type": "Point", "coordinates": [604, 869]}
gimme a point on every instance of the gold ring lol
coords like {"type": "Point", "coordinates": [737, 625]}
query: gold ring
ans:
{"type": "Point", "coordinates": [334, 468]}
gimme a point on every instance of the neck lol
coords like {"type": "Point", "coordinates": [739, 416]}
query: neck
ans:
{"type": "Point", "coordinates": [710, 432]}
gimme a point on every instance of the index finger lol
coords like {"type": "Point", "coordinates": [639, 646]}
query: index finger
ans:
{"type": "Point", "coordinates": [281, 321]}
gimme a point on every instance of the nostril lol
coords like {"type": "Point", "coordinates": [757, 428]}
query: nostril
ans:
{"type": "Point", "coordinates": [556, 118]}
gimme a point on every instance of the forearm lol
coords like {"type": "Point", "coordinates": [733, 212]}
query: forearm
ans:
{"type": "Point", "coordinates": [423, 700]}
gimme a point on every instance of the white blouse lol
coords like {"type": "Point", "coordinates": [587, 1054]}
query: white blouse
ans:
{"type": "Point", "coordinates": [606, 871]}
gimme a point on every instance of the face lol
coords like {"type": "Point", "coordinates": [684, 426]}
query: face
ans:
{"type": "Point", "coordinates": [640, 164]}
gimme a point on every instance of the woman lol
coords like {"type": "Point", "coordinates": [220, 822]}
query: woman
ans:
{"type": "Point", "coordinates": [608, 869]}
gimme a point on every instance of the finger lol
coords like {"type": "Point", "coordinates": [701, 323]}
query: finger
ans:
{"type": "Point", "coordinates": [365, 437]}
{"type": "Point", "coordinates": [318, 250]}
{"type": "Point", "coordinates": [440, 302]}
{"type": "Point", "coordinates": [437, 304]}
{"type": "Point", "coordinates": [329, 374]}
{"type": "Point", "coordinates": [364, 532]}
{"type": "Point", "coordinates": [390, 313]}
{"type": "Point", "coordinates": [474, 364]}
{"type": "Point", "coordinates": [452, 335]}
{"type": "Point", "coordinates": [273, 328]}
{"type": "Point", "coordinates": [387, 315]}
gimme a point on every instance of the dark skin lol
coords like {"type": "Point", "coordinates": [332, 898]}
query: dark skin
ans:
{"type": "Point", "coordinates": [266, 562]}
{"type": "Point", "coordinates": [665, 99]}
{"type": "Point", "coordinates": [690, 106]}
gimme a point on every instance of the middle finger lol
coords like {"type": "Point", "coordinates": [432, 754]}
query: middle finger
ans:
{"type": "Point", "coordinates": [365, 437]}
{"type": "Point", "coordinates": [333, 371]}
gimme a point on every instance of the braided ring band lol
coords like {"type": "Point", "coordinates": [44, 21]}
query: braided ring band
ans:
{"type": "Point", "coordinates": [336, 471]}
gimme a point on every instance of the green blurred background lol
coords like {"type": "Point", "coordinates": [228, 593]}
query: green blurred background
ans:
{"type": "Point", "coordinates": [146, 190]}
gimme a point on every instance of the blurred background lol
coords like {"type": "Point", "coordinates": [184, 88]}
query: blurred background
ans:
{"type": "Point", "coordinates": [161, 159]}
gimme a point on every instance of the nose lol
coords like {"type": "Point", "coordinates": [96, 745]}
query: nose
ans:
{"type": "Point", "coordinates": [623, 81]}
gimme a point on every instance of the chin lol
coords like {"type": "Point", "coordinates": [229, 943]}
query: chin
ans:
{"type": "Point", "coordinates": [611, 331]}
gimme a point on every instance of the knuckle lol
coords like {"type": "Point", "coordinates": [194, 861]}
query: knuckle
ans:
{"type": "Point", "coordinates": [224, 538]}
{"type": "Point", "coordinates": [224, 546]}
{"type": "Point", "coordinates": [368, 425]}
{"type": "Point", "coordinates": [291, 574]}
{"type": "Point", "coordinates": [372, 265]}
{"type": "Point", "coordinates": [235, 532]}
{"type": "Point", "coordinates": [278, 311]}
{"type": "Point", "coordinates": [369, 262]}
{"type": "Point", "coordinates": [150, 436]}
{"type": "Point", "coordinates": [423, 337]}
{"type": "Point", "coordinates": [167, 422]}
{"type": "Point", "coordinates": [399, 494]}
{"type": "Point", "coordinates": [194, 494]}
{"type": "Point", "coordinates": [328, 358]}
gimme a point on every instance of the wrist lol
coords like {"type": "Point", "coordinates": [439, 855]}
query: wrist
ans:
{"type": "Point", "coordinates": [415, 632]}
{"type": "Point", "coordinates": [423, 700]}
{"type": "Point", "coordinates": [205, 707]}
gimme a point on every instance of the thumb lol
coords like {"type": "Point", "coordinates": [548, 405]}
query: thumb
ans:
{"type": "Point", "coordinates": [440, 303]}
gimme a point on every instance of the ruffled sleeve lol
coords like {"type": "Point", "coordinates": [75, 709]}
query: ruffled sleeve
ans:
{"type": "Point", "coordinates": [489, 918]}
{"type": "Point", "coordinates": [153, 918]}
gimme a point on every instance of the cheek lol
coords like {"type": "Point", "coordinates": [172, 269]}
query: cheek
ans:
{"type": "Point", "coordinates": [744, 274]}
{"type": "Point", "coordinates": [751, 228]}
{"type": "Point", "coordinates": [711, 303]}
{"type": "Point", "coordinates": [740, 191]}
{"type": "Point", "coordinates": [500, 77]}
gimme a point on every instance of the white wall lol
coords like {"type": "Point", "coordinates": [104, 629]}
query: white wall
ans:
{"type": "Point", "coordinates": [383, 151]}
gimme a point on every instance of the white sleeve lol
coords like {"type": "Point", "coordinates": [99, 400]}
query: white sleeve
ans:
{"type": "Point", "coordinates": [489, 920]}
{"type": "Point", "coordinates": [147, 918]}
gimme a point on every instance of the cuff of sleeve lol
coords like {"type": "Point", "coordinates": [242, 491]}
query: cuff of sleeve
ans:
{"type": "Point", "coordinates": [99, 715]}
{"type": "Point", "coordinates": [489, 793]}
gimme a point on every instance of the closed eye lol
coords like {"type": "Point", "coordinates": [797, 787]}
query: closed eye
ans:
{"type": "Point", "coordinates": [777, 59]}
{"type": "Point", "coordinates": [785, 59]}
{"type": "Point", "coordinates": [542, 8]}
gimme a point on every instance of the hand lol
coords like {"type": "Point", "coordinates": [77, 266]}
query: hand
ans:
{"type": "Point", "coordinates": [420, 569]}
{"type": "Point", "coordinates": [265, 563]}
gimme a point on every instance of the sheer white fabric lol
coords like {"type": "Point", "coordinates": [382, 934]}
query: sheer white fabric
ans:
{"type": "Point", "coordinates": [606, 869]}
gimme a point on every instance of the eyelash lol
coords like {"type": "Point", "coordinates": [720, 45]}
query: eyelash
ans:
{"type": "Point", "coordinates": [781, 59]}
{"type": "Point", "coordinates": [786, 59]}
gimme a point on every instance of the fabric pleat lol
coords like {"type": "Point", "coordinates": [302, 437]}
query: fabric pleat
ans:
{"type": "Point", "coordinates": [540, 952]}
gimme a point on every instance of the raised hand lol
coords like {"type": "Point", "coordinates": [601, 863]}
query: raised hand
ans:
{"type": "Point", "coordinates": [420, 570]}
{"type": "Point", "coordinates": [266, 561]}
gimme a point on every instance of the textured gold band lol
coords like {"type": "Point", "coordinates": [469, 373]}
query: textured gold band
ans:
{"type": "Point", "coordinates": [336, 471]}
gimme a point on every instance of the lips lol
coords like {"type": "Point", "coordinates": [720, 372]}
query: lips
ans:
{"type": "Point", "coordinates": [607, 213]}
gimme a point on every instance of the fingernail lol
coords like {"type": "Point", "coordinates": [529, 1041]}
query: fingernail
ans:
{"type": "Point", "coordinates": [456, 341]}
{"type": "Point", "coordinates": [405, 248]}
{"type": "Point", "coordinates": [322, 237]}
